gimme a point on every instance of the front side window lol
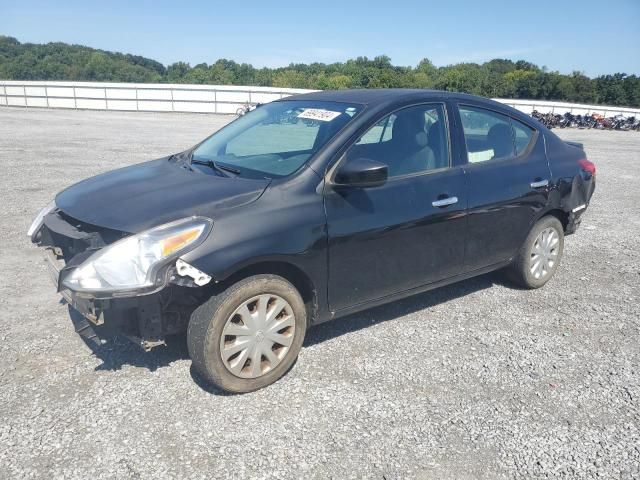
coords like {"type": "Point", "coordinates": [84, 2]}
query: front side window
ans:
{"type": "Point", "coordinates": [380, 132]}
{"type": "Point", "coordinates": [410, 141]}
{"type": "Point", "coordinates": [276, 139]}
{"type": "Point", "coordinates": [487, 134]}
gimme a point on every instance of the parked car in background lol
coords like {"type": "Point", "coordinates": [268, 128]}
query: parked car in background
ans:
{"type": "Point", "coordinates": [308, 209]}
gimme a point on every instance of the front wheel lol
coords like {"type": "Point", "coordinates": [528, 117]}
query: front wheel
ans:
{"type": "Point", "coordinates": [540, 254]}
{"type": "Point", "coordinates": [249, 335]}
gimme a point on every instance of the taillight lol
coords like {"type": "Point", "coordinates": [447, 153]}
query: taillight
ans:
{"type": "Point", "coordinates": [587, 166]}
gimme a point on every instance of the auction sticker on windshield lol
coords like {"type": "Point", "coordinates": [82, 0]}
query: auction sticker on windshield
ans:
{"type": "Point", "coordinates": [319, 114]}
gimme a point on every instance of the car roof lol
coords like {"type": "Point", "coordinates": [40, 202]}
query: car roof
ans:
{"type": "Point", "coordinates": [391, 96]}
{"type": "Point", "coordinates": [370, 96]}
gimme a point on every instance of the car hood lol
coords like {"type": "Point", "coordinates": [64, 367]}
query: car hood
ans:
{"type": "Point", "coordinates": [135, 198]}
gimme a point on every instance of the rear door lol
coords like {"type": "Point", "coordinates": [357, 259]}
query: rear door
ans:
{"type": "Point", "coordinates": [508, 177]}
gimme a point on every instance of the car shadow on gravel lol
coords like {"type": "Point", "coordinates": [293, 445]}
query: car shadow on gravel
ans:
{"type": "Point", "coordinates": [208, 387]}
{"type": "Point", "coordinates": [115, 351]}
{"type": "Point", "coordinates": [399, 308]}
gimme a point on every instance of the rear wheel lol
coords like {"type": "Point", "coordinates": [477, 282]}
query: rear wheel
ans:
{"type": "Point", "coordinates": [249, 335]}
{"type": "Point", "coordinates": [540, 255]}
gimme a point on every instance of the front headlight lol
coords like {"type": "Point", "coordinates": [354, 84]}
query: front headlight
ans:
{"type": "Point", "coordinates": [135, 263]}
{"type": "Point", "coordinates": [37, 222]}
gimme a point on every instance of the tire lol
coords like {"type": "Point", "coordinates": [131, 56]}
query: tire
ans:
{"type": "Point", "coordinates": [521, 270]}
{"type": "Point", "coordinates": [212, 322]}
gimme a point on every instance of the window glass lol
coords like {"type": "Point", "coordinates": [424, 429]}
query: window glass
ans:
{"type": "Point", "coordinates": [522, 134]}
{"type": "Point", "coordinates": [266, 138]}
{"type": "Point", "coordinates": [488, 134]}
{"type": "Point", "coordinates": [409, 141]}
{"type": "Point", "coordinates": [380, 132]}
{"type": "Point", "coordinates": [276, 139]}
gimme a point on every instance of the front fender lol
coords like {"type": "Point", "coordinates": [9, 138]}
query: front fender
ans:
{"type": "Point", "coordinates": [287, 225]}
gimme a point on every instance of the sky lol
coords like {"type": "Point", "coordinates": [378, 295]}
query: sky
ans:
{"type": "Point", "coordinates": [592, 36]}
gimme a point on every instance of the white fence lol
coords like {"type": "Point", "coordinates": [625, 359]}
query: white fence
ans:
{"type": "Point", "coordinates": [542, 106]}
{"type": "Point", "coordinates": [138, 96]}
{"type": "Point", "coordinates": [204, 98]}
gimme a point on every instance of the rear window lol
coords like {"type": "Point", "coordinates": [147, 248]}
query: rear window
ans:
{"type": "Point", "coordinates": [523, 134]}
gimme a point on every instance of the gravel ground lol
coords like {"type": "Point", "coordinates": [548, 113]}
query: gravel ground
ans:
{"type": "Point", "coordinates": [474, 380]}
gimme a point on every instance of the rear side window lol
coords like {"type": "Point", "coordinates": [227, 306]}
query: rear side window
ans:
{"type": "Point", "coordinates": [488, 134]}
{"type": "Point", "coordinates": [523, 134]}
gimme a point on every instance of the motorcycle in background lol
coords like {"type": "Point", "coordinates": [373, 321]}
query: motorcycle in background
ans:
{"type": "Point", "coordinates": [246, 108]}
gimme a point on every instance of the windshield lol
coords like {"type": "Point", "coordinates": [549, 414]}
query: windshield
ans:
{"type": "Point", "coordinates": [276, 139]}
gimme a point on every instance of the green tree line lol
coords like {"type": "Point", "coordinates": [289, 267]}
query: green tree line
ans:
{"type": "Point", "coordinates": [495, 78]}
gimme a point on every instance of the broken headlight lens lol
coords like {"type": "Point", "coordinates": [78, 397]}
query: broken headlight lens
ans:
{"type": "Point", "coordinates": [135, 263]}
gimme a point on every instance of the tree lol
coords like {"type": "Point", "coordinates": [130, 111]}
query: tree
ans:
{"type": "Point", "coordinates": [290, 78]}
{"type": "Point", "coordinates": [523, 83]}
{"type": "Point", "coordinates": [610, 89]}
{"type": "Point", "coordinates": [177, 71]}
{"type": "Point", "coordinates": [495, 78]}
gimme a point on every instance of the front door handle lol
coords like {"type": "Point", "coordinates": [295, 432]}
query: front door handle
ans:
{"type": "Point", "coordinates": [444, 202]}
{"type": "Point", "coordinates": [539, 183]}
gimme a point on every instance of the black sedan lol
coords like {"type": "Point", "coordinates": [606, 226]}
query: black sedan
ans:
{"type": "Point", "coordinates": [308, 209]}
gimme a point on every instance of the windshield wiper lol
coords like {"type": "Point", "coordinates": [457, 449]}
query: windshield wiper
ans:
{"type": "Point", "coordinates": [216, 166]}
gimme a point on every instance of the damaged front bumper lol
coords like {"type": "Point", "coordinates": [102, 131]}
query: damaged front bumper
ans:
{"type": "Point", "coordinates": [140, 319]}
{"type": "Point", "coordinates": [144, 318]}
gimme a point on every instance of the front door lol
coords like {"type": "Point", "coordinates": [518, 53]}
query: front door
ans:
{"type": "Point", "coordinates": [408, 232]}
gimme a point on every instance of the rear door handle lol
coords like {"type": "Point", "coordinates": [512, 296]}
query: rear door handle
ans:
{"type": "Point", "coordinates": [444, 202]}
{"type": "Point", "coordinates": [539, 183]}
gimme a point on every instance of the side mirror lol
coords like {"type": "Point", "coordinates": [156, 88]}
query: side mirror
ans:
{"type": "Point", "coordinates": [361, 172]}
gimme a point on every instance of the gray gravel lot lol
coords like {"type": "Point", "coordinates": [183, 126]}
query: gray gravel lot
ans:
{"type": "Point", "coordinates": [474, 380]}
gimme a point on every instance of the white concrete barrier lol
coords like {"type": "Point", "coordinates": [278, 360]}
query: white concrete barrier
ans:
{"type": "Point", "coordinates": [205, 98]}
{"type": "Point", "coordinates": [543, 106]}
{"type": "Point", "coordinates": [142, 97]}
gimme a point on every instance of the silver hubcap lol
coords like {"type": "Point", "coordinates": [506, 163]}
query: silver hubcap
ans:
{"type": "Point", "coordinates": [257, 336]}
{"type": "Point", "coordinates": [544, 253]}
